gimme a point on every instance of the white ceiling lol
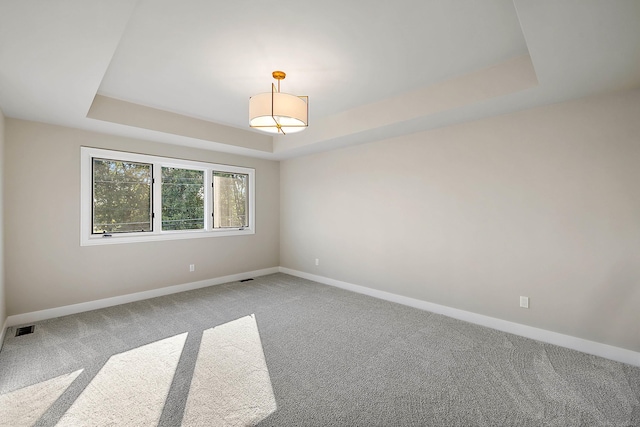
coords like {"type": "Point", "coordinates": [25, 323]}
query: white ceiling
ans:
{"type": "Point", "coordinates": [203, 59]}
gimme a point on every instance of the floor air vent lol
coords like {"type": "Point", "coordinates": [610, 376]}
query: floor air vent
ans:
{"type": "Point", "coordinates": [246, 280]}
{"type": "Point", "coordinates": [25, 330]}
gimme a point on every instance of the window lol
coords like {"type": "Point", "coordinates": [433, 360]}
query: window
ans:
{"type": "Point", "coordinates": [230, 200]}
{"type": "Point", "coordinates": [182, 199]}
{"type": "Point", "coordinates": [128, 197]}
{"type": "Point", "coordinates": [121, 196]}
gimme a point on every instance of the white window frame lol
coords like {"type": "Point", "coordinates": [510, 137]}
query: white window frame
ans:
{"type": "Point", "coordinates": [87, 238]}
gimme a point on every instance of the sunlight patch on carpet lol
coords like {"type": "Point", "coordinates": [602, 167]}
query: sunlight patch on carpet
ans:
{"type": "Point", "coordinates": [231, 384]}
{"type": "Point", "coordinates": [131, 388]}
{"type": "Point", "coordinates": [25, 406]}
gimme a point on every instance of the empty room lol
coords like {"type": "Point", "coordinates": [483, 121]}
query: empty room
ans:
{"type": "Point", "coordinates": [305, 213]}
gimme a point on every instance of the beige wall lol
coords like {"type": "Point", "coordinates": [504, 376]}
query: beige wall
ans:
{"type": "Point", "coordinates": [542, 203]}
{"type": "Point", "coordinates": [45, 265]}
{"type": "Point", "coordinates": [3, 305]}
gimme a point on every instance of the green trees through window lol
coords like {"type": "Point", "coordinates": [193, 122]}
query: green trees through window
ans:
{"type": "Point", "coordinates": [121, 196]}
{"type": "Point", "coordinates": [182, 199]}
{"type": "Point", "coordinates": [229, 200]}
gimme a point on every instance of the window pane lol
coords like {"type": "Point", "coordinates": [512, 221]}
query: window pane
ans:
{"type": "Point", "coordinates": [230, 200]}
{"type": "Point", "coordinates": [121, 196]}
{"type": "Point", "coordinates": [182, 199]}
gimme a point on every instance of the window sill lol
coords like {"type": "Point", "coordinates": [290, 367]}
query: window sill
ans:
{"type": "Point", "coordinates": [166, 235]}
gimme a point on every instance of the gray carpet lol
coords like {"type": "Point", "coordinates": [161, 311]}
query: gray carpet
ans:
{"type": "Point", "coordinates": [337, 358]}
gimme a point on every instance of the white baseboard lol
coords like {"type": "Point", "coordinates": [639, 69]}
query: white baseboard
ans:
{"type": "Point", "coordinates": [3, 332]}
{"type": "Point", "coordinates": [36, 316]}
{"type": "Point", "coordinates": [590, 347]}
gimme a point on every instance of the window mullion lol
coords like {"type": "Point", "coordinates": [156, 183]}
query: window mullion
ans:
{"type": "Point", "coordinates": [157, 198]}
{"type": "Point", "coordinates": [208, 197]}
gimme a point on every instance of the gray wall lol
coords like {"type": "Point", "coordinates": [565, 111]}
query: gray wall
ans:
{"type": "Point", "coordinates": [45, 265]}
{"type": "Point", "coordinates": [3, 304]}
{"type": "Point", "coordinates": [542, 203]}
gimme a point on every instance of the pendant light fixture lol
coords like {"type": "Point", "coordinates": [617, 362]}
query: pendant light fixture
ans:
{"type": "Point", "coordinates": [277, 112]}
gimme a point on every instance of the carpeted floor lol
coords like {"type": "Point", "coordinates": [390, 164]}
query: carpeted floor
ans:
{"type": "Point", "coordinates": [283, 351]}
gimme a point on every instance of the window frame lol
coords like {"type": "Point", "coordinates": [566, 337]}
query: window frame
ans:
{"type": "Point", "coordinates": [151, 222]}
{"type": "Point", "coordinates": [213, 198]}
{"type": "Point", "coordinates": [87, 238]}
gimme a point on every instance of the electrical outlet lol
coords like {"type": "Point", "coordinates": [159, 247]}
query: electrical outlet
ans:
{"type": "Point", "coordinates": [192, 267]}
{"type": "Point", "coordinates": [524, 302]}
{"type": "Point", "coordinates": [317, 261]}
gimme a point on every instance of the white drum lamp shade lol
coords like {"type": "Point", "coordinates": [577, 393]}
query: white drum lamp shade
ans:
{"type": "Point", "coordinates": [277, 112]}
